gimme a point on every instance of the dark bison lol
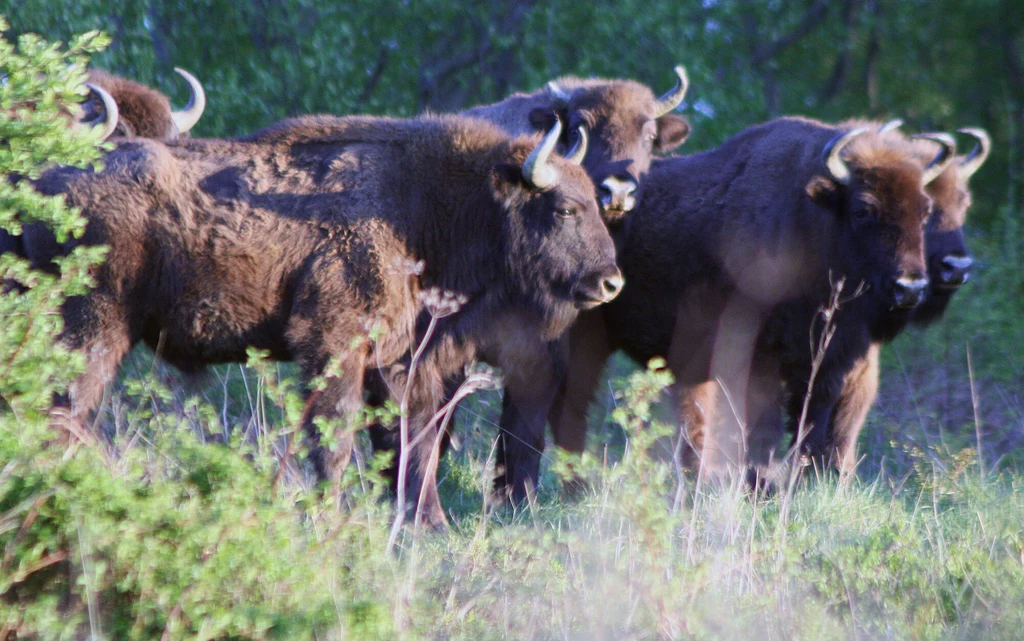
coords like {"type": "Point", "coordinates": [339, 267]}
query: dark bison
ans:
{"type": "Point", "coordinates": [304, 237]}
{"type": "Point", "coordinates": [143, 112]}
{"type": "Point", "coordinates": [626, 125]}
{"type": "Point", "coordinates": [948, 268]}
{"type": "Point", "coordinates": [729, 259]}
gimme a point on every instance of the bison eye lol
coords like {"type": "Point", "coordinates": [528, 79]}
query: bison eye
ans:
{"type": "Point", "coordinates": [863, 214]}
{"type": "Point", "coordinates": [565, 212]}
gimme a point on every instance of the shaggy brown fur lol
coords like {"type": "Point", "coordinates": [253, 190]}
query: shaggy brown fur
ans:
{"type": "Point", "coordinates": [299, 240]}
{"type": "Point", "coordinates": [729, 257]}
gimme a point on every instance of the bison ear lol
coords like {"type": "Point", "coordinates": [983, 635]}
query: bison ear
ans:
{"type": "Point", "coordinates": [509, 173]}
{"type": "Point", "coordinates": [673, 130]}
{"type": "Point", "coordinates": [823, 192]}
{"type": "Point", "coordinates": [543, 118]}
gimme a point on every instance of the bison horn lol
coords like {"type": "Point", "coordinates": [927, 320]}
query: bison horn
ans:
{"type": "Point", "coordinates": [110, 112]}
{"type": "Point", "coordinates": [579, 150]}
{"type": "Point", "coordinates": [189, 116]}
{"type": "Point", "coordinates": [946, 155]}
{"type": "Point", "coordinates": [833, 161]}
{"type": "Point", "coordinates": [976, 158]}
{"type": "Point", "coordinates": [674, 97]}
{"type": "Point", "coordinates": [558, 93]}
{"type": "Point", "coordinates": [536, 169]}
{"type": "Point", "coordinates": [890, 126]}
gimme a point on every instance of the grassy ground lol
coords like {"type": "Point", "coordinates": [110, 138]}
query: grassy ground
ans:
{"type": "Point", "coordinates": [195, 522]}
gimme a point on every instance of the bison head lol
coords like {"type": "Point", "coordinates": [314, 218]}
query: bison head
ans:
{"type": "Point", "coordinates": [948, 261]}
{"type": "Point", "coordinates": [876, 187]}
{"type": "Point", "coordinates": [627, 125]}
{"type": "Point", "coordinates": [147, 113]}
{"type": "Point", "coordinates": [560, 254]}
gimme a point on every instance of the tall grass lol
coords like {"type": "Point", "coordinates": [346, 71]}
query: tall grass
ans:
{"type": "Point", "coordinates": [183, 526]}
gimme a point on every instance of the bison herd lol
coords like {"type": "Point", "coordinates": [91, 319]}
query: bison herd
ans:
{"type": "Point", "coordinates": [539, 234]}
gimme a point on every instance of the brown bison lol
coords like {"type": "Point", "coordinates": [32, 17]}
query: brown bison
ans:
{"type": "Point", "coordinates": [626, 125]}
{"type": "Point", "coordinates": [948, 268]}
{"type": "Point", "coordinates": [730, 258]}
{"type": "Point", "coordinates": [143, 112]}
{"type": "Point", "coordinates": [304, 237]}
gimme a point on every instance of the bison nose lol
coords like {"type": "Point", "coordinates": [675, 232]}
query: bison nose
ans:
{"type": "Point", "coordinates": [908, 291]}
{"type": "Point", "coordinates": [612, 285]}
{"type": "Point", "coordinates": [616, 194]}
{"type": "Point", "coordinates": [599, 287]}
{"type": "Point", "coordinates": [955, 270]}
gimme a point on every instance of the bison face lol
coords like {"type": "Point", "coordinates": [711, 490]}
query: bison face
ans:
{"type": "Point", "coordinates": [878, 196]}
{"type": "Point", "coordinates": [949, 264]}
{"type": "Point", "coordinates": [560, 254]}
{"type": "Point", "coordinates": [627, 125]}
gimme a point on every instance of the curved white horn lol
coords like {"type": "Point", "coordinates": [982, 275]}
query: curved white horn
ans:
{"type": "Point", "coordinates": [536, 169]}
{"type": "Point", "coordinates": [946, 155]}
{"type": "Point", "coordinates": [890, 126]}
{"type": "Point", "coordinates": [110, 112]}
{"type": "Point", "coordinates": [557, 92]}
{"type": "Point", "coordinates": [579, 150]}
{"type": "Point", "coordinates": [674, 96]}
{"type": "Point", "coordinates": [833, 161]}
{"type": "Point", "coordinates": [976, 158]}
{"type": "Point", "coordinates": [187, 118]}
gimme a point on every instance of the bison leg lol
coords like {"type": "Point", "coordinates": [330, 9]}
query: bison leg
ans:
{"type": "Point", "coordinates": [104, 340]}
{"type": "Point", "coordinates": [428, 446]}
{"type": "Point", "coordinates": [810, 415]}
{"type": "Point", "coordinates": [589, 350]}
{"type": "Point", "coordinates": [341, 398]}
{"type": "Point", "coordinates": [533, 375]}
{"type": "Point", "coordinates": [860, 389]}
{"type": "Point", "coordinates": [426, 442]}
{"type": "Point", "coordinates": [698, 407]}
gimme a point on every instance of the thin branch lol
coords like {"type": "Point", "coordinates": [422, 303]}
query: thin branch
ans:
{"type": "Point", "coordinates": [813, 17]}
{"type": "Point", "coordinates": [378, 72]}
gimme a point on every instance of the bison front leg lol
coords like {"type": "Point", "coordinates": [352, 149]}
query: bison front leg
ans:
{"type": "Point", "coordinates": [533, 377]}
{"type": "Point", "coordinates": [860, 389]}
{"type": "Point", "coordinates": [340, 401]}
{"type": "Point", "coordinates": [425, 401]}
{"type": "Point", "coordinates": [810, 415]}
{"type": "Point", "coordinates": [588, 351]}
{"type": "Point", "coordinates": [104, 340]}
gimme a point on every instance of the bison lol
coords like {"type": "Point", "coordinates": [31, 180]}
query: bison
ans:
{"type": "Point", "coordinates": [626, 125]}
{"type": "Point", "coordinates": [948, 269]}
{"type": "Point", "coordinates": [143, 112]}
{"type": "Point", "coordinates": [307, 236]}
{"type": "Point", "coordinates": [730, 258]}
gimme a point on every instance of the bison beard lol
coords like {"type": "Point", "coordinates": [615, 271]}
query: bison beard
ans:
{"type": "Point", "coordinates": [298, 239]}
{"type": "Point", "coordinates": [729, 258]}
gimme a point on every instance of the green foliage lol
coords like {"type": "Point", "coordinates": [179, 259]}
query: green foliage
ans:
{"type": "Point", "coordinates": [37, 102]}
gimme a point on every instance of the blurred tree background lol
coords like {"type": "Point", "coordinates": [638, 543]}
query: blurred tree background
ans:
{"type": "Point", "coordinates": [940, 65]}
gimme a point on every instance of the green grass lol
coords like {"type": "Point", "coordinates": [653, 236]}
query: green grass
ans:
{"type": "Point", "coordinates": [173, 530]}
